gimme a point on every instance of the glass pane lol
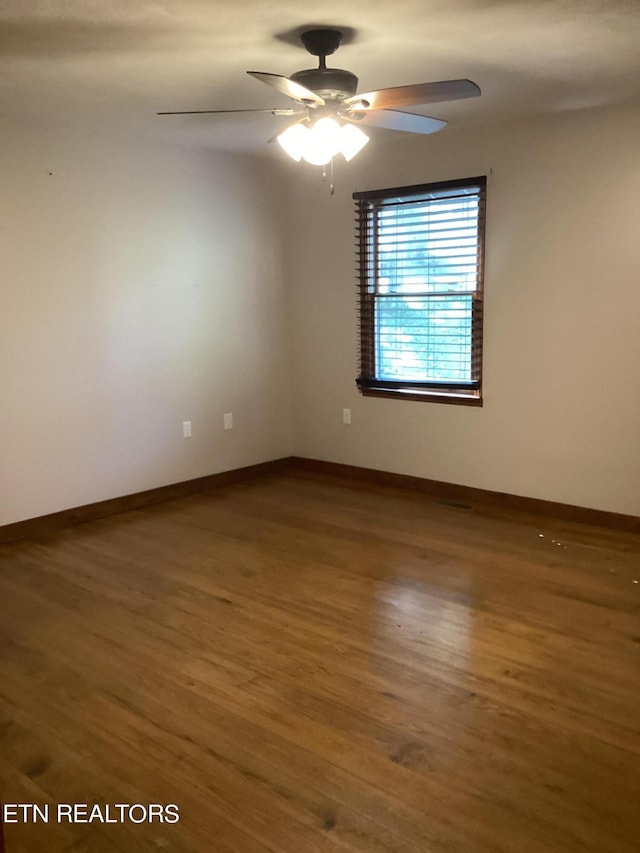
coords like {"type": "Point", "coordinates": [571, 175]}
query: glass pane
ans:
{"type": "Point", "coordinates": [423, 338]}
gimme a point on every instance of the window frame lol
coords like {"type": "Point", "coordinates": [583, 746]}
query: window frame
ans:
{"type": "Point", "coordinates": [468, 393]}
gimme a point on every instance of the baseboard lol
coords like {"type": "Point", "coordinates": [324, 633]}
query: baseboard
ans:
{"type": "Point", "coordinates": [91, 512]}
{"type": "Point", "coordinates": [435, 489]}
{"type": "Point", "coordinates": [469, 495]}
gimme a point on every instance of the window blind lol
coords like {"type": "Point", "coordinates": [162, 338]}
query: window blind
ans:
{"type": "Point", "coordinates": [420, 272]}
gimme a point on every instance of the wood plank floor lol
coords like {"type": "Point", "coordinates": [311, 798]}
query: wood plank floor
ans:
{"type": "Point", "coordinates": [305, 664]}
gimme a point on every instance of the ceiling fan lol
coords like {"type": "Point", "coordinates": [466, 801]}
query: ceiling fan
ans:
{"type": "Point", "coordinates": [328, 112]}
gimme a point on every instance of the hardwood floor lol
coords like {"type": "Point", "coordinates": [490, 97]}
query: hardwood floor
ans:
{"type": "Point", "coordinates": [303, 664]}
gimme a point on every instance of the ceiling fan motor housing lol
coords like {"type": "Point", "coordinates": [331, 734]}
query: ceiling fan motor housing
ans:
{"type": "Point", "coordinates": [329, 83]}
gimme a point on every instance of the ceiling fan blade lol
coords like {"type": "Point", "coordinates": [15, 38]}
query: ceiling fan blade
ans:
{"type": "Point", "coordinates": [420, 93]}
{"type": "Point", "coordinates": [274, 112]}
{"type": "Point", "coordinates": [395, 120]}
{"type": "Point", "coordinates": [288, 87]}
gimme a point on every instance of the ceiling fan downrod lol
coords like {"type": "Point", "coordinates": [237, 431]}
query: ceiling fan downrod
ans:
{"type": "Point", "coordinates": [332, 84]}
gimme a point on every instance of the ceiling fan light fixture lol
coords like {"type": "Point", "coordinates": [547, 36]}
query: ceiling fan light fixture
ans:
{"type": "Point", "coordinates": [321, 142]}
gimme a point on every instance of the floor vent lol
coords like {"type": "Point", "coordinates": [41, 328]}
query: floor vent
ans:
{"type": "Point", "coordinates": [453, 504]}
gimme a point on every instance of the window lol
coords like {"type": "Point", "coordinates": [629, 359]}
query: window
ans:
{"type": "Point", "coordinates": [420, 291]}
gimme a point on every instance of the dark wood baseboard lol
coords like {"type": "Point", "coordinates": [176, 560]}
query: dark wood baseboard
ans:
{"type": "Point", "coordinates": [473, 497]}
{"type": "Point", "coordinates": [91, 512]}
{"type": "Point", "coordinates": [453, 493]}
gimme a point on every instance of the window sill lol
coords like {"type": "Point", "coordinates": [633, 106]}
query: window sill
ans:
{"type": "Point", "coordinates": [425, 396]}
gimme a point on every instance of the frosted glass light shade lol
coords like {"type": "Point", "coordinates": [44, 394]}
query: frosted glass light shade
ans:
{"type": "Point", "coordinates": [352, 140]}
{"type": "Point", "coordinates": [323, 142]}
{"type": "Point", "coordinates": [294, 140]}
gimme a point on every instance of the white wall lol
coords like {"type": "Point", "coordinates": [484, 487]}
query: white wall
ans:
{"type": "Point", "coordinates": [561, 419]}
{"type": "Point", "coordinates": [141, 286]}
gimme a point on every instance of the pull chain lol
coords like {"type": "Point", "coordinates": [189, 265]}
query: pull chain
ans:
{"type": "Point", "coordinates": [332, 188]}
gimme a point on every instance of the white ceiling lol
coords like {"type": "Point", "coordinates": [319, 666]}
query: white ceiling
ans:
{"type": "Point", "coordinates": [100, 63]}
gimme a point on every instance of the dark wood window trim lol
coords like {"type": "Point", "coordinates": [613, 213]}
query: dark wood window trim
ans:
{"type": "Point", "coordinates": [368, 207]}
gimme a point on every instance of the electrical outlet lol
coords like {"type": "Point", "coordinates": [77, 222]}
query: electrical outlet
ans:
{"type": "Point", "coordinates": [346, 416]}
{"type": "Point", "coordinates": [186, 429]}
{"type": "Point", "coordinates": [228, 420]}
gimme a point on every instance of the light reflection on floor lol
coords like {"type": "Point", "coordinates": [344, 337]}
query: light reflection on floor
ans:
{"type": "Point", "coordinates": [409, 613]}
